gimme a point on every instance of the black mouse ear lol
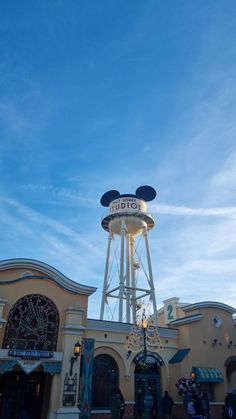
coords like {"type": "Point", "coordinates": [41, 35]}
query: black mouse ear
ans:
{"type": "Point", "coordinates": [147, 193]}
{"type": "Point", "coordinates": [108, 197]}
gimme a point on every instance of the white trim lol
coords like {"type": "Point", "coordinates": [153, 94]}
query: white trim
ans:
{"type": "Point", "coordinates": [48, 270]}
{"type": "Point", "coordinates": [186, 320]}
{"type": "Point", "coordinates": [209, 304]}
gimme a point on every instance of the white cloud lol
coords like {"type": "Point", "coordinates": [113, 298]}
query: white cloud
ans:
{"type": "Point", "coordinates": [61, 195]}
{"type": "Point", "coordinates": [30, 234]}
{"type": "Point", "coordinates": [198, 212]}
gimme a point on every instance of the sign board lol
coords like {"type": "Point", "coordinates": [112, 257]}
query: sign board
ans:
{"type": "Point", "coordinates": [170, 309]}
{"type": "Point", "coordinates": [28, 354]}
{"type": "Point", "coordinates": [127, 204]}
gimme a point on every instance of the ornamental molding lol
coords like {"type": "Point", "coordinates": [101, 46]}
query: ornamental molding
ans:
{"type": "Point", "coordinates": [186, 320]}
{"type": "Point", "coordinates": [209, 304]}
{"type": "Point", "coordinates": [49, 272]}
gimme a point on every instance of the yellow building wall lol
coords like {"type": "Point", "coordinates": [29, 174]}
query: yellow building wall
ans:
{"type": "Point", "coordinates": [62, 298]}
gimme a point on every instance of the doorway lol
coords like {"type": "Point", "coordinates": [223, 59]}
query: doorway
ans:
{"type": "Point", "coordinates": [24, 396]}
{"type": "Point", "coordinates": [147, 383]}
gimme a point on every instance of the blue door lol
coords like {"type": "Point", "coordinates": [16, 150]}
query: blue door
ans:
{"type": "Point", "coordinates": [148, 385]}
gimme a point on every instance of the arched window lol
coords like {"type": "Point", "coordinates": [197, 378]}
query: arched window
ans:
{"type": "Point", "coordinates": [105, 379]}
{"type": "Point", "coordinates": [33, 324]}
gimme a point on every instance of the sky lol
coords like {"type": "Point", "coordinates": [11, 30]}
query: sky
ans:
{"type": "Point", "coordinates": [104, 94]}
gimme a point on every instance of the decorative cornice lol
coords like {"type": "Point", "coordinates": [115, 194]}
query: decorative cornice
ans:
{"type": "Point", "coordinates": [186, 320]}
{"type": "Point", "coordinates": [209, 304]}
{"type": "Point", "coordinates": [49, 272]}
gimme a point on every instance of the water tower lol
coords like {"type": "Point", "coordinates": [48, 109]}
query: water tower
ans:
{"type": "Point", "coordinates": [128, 221]}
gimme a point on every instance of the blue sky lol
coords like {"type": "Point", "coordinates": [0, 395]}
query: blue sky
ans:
{"type": "Point", "coordinates": [101, 94]}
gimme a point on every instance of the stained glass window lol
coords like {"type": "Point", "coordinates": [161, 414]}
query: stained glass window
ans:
{"type": "Point", "coordinates": [33, 324]}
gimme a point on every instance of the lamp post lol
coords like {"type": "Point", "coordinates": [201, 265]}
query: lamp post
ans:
{"type": "Point", "coordinates": [144, 338]}
{"type": "Point", "coordinates": [144, 325]}
{"type": "Point", "coordinates": [73, 359]}
{"type": "Point", "coordinates": [148, 399]}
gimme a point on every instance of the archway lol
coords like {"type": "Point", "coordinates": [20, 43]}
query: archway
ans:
{"type": "Point", "coordinates": [105, 379]}
{"type": "Point", "coordinates": [147, 382]}
{"type": "Point", "coordinates": [31, 334]}
{"type": "Point", "coordinates": [24, 395]}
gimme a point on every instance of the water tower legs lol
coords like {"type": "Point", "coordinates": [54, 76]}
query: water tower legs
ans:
{"type": "Point", "coordinates": [122, 261]}
{"type": "Point", "coordinates": [125, 290]}
{"type": "Point", "coordinates": [105, 281]}
{"type": "Point", "coordinates": [151, 282]}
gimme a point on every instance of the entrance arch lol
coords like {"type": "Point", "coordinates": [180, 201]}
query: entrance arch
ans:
{"type": "Point", "coordinates": [147, 379]}
{"type": "Point", "coordinates": [105, 380]}
{"type": "Point", "coordinates": [24, 395]}
{"type": "Point", "coordinates": [31, 334]}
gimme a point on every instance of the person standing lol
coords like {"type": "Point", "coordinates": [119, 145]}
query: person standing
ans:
{"type": "Point", "coordinates": [230, 405]}
{"type": "Point", "coordinates": [167, 405]}
{"type": "Point", "coordinates": [122, 403]}
{"type": "Point", "coordinates": [205, 405]}
{"type": "Point", "coordinates": [191, 409]}
{"type": "Point", "coordinates": [117, 404]}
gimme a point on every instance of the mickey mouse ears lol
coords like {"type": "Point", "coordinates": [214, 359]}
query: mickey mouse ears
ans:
{"type": "Point", "coordinates": [147, 193]}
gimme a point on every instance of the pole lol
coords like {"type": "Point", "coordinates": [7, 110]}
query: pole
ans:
{"type": "Point", "coordinates": [128, 278]}
{"type": "Point", "coordinates": [133, 280]}
{"type": "Point", "coordinates": [122, 251]}
{"type": "Point", "coordinates": [105, 284]}
{"type": "Point", "coordinates": [151, 282]}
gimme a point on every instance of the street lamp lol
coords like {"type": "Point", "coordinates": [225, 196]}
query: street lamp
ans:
{"type": "Point", "coordinates": [73, 359]}
{"type": "Point", "coordinates": [144, 338]}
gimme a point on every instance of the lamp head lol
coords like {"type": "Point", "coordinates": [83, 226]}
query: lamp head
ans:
{"type": "Point", "coordinates": [77, 349]}
{"type": "Point", "coordinates": [144, 323]}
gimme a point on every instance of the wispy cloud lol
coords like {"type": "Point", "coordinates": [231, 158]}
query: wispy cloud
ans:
{"type": "Point", "coordinates": [79, 256]}
{"type": "Point", "coordinates": [62, 195]}
{"type": "Point", "coordinates": [39, 219]}
{"type": "Point", "coordinates": [198, 212]}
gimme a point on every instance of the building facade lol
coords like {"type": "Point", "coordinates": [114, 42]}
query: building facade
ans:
{"type": "Point", "coordinates": [43, 315]}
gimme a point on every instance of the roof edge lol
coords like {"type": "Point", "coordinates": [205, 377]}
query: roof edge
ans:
{"type": "Point", "coordinates": [209, 304]}
{"type": "Point", "coordinates": [49, 271]}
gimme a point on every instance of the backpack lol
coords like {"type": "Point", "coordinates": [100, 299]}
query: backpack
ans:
{"type": "Point", "coordinates": [191, 408]}
{"type": "Point", "coordinates": [230, 411]}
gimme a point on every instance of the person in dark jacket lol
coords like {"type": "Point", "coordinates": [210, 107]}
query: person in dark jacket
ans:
{"type": "Point", "coordinates": [122, 403]}
{"type": "Point", "coordinates": [167, 404]}
{"type": "Point", "coordinates": [230, 405]}
{"type": "Point", "coordinates": [117, 404]}
{"type": "Point", "coordinates": [205, 405]}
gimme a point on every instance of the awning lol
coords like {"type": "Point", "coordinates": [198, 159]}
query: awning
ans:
{"type": "Point", "coordinates": [53, 367]}
{"type": "Point", "coordinates": [179, 356]}
{"type": "Point", "coordinates": [208, 375]}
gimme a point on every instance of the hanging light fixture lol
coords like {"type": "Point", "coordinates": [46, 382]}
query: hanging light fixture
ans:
{"type": "Point", "coordinates": [73, 359]}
